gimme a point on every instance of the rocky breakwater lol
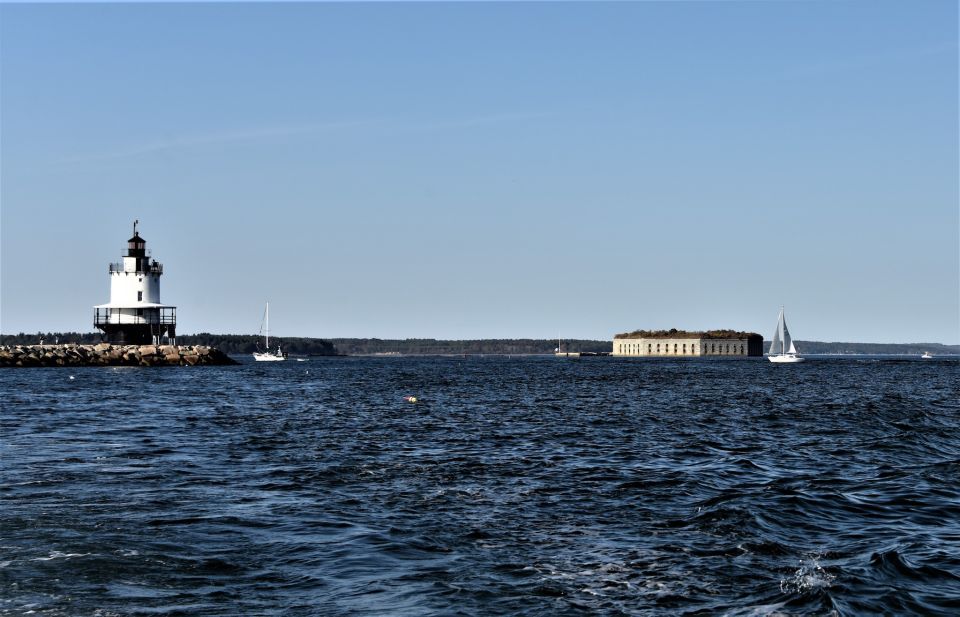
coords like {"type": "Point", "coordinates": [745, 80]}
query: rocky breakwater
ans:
{"type": "Point", "coordinates": [106, 354]}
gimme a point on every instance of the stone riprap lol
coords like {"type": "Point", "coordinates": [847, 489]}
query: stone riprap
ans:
{"type": "Point", "coordinates": [106, 354]}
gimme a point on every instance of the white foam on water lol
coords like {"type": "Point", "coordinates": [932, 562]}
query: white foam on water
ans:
{"type": "Point", "coordinates": [59, 555]}
{"type": "Point", "coordinates": [810, 575]}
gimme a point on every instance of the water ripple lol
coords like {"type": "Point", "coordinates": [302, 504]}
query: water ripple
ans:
{"type": "Point", "coordinates": [526, 486]}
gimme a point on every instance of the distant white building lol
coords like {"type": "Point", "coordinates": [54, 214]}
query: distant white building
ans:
{"type": "Point", "coordinates": [134, 315]}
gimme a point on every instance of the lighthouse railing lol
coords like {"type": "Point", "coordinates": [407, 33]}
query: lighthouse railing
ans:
{"type": "Point", "coordinates": [166, 316]}
{"type": "Point", "coordinates": [154, 268]}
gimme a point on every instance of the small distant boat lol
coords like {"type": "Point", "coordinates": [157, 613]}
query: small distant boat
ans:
{"type": "Point", "coordinates": [927, 355]}
{"type": "Point", "coordinates": [268, 356]}
{"type": "Point", "coordinates": [782, 349]}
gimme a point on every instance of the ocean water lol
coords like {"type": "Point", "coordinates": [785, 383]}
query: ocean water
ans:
{"type": "Point", "coordinates": [515, 486]}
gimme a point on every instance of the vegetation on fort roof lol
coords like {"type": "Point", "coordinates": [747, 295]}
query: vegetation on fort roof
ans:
{"type": "Point", "coordinates": [674, 333]}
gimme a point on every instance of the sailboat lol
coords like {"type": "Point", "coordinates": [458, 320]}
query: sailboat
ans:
{"type": "Point", "coordinates": [268, 356]}
{"type": "Point", "coordinates": [782, 348]}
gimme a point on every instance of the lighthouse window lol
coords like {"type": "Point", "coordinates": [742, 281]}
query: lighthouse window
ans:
{"type": "Point", "coordinates": [139, 296]}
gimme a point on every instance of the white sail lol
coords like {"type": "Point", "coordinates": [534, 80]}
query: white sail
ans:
{"type": "Point", "coordinates": [787, 341]}
{"type": "Point", "coordinates": [776, 346]}
{"type": "Point", "coordinates": [266, 324]}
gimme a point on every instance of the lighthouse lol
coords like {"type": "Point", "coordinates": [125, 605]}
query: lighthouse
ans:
{"type": "Point", "coordinates": [134, 315]}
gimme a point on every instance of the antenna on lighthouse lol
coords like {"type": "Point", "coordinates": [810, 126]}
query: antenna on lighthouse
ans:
{"type": "Point", "coordinates": [135, 221]}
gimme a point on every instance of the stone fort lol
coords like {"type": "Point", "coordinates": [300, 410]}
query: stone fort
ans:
{"type": "Point", "coordinates": [680, 343]}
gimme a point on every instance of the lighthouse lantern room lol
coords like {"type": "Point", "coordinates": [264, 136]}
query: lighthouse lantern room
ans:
{"type": "Point", "coordinates": [134, 315]}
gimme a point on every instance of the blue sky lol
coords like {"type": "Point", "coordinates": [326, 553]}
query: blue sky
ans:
{"type": "Point", "coordinates": [462, 170]}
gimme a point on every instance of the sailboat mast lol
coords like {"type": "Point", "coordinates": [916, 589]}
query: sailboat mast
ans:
{"type": "Point", "coordinates": [266, 323]}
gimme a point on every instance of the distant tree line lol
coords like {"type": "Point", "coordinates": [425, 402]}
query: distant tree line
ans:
{"type": "Point", "coordinates": [248, 343]}
{"type": "Point", "coordinates": [355, 346]}
{"type": "Point", "coordinates": [51, 338]}
{"type": "Point", "coordinates": [816, 347]}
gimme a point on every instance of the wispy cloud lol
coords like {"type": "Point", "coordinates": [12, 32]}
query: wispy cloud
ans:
{"type": "Point", "coordinates": [218, 138]}
{"type": "Point", "coordinates": [253, 134]}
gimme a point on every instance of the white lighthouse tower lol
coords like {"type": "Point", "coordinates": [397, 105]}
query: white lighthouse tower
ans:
{"type": "Point", "coordinates": [134, 315]}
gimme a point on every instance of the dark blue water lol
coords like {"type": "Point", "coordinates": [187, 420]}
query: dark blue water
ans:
{"type": "Point", "coordinates": [525, 486]}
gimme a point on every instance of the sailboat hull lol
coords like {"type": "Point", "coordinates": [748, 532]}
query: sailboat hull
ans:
{"type": "Point", "coordinates": [267, 357]}
{"type": "Point", "coordinates": [785, 358]}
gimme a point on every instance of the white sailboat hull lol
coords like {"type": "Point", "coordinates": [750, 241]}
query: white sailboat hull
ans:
{"type": "Point", "coordinates": [785, 358]}
{"type": "Point", "coordinates": [268, 356]}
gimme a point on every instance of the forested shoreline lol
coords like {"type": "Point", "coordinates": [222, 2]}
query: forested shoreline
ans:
{"type": "Point", "coordinates": [307, 346]}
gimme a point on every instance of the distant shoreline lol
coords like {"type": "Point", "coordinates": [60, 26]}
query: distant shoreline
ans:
{"type": "Point", "coordinates": [239, 344]}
